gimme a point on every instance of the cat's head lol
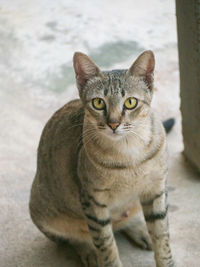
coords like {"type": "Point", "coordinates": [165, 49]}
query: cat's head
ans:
{"type": "Point", "coordinates": [116, 101]}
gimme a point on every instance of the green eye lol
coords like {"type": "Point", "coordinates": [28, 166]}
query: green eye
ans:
{"type": "Point", "coordinates": [98, 103]}
{"type": "Point", "coordinates": [130, 103]}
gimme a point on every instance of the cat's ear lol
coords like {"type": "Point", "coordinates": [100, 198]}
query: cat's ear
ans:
{"type": "Point", "coordinates": [84, 68]}
{"type": "Point", "coordinates": [144, 67]}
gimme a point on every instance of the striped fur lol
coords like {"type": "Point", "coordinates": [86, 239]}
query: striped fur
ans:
{"type": "Point", "coordinates": [93, 180]}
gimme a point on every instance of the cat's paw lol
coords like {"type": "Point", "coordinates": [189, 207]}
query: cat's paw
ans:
{"type": "Point", "coordinates": [166, 263]}
{"type": "Point", "coordinates": [139, 235]}
{"type": "Point", "coordinates": [87, 255]}
{"type": "Point", "coordinates": [89, 260]}
{"type": "Point", "coordinates": [113, 264]}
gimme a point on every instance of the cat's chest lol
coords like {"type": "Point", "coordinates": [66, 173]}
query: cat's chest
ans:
{"type": "Point", "coordinates": [120, 176]}
{"type": "Point", "coordinates": [126, 185]}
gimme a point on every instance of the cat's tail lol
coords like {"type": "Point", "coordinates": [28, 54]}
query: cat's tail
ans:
{"type": "Point", "coordinates": [168, 124]}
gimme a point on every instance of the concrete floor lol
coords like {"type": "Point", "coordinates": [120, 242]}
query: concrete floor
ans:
{"type": "Point", "coordinates": [22, 245]}
{"type": "Point", "coordinates": [26, 106]}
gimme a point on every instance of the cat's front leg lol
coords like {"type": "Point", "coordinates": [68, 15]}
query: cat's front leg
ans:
{"type": "Point", "coordinates": [155, 213]}
{"type": "Point", "coordinates": [100, 227]}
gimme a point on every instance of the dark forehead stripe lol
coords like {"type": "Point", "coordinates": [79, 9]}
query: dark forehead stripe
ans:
{"type": "Point", "coordinates": [111, 83]}
{"type": "Point", "coordinates": [106, 91]}
{"type": "Point", "coordinates": [115, 78]}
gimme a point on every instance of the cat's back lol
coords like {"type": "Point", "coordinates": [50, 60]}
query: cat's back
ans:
{"type": "Point", "coordinates": [65, 124]}
{"type": "Point", "coordinates": [55, 181]}
{"type": "Point", "coordinates": [61, 140]}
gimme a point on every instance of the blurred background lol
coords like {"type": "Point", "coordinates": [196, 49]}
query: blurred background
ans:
{"type": "Point", "coordinates": [37, 42]}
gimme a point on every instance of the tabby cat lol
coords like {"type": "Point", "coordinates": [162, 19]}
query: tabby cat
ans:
{"type": "Point", "coordinates": [101, 163]}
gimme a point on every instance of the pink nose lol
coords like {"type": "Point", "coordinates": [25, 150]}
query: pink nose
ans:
{"type": "Point", "coordinates": [113, 125]}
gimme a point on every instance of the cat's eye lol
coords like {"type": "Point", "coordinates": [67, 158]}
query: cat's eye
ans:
{"type": "Point", "coordinates": [98, 103]}
{"type": "Point", "coordinates": [130, 103]}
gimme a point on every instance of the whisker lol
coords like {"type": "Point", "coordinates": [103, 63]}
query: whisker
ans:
{"type": "Point", "coordinates": [91, 138]}
{"type": "Point", "coordinates": [90, 132]}
{"type": "Point", "coordinates": [76, 125]}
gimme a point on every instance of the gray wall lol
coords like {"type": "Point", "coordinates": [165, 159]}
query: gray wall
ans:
{"type": "Point", "coordinates": [188, 24]}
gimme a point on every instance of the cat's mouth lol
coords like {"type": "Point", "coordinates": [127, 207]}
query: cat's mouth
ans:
{"type": "Point", "coordinates": [111, 133]}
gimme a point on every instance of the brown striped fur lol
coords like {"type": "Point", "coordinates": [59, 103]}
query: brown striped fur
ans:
{"type": "Point", "coordinates": [92, 180]}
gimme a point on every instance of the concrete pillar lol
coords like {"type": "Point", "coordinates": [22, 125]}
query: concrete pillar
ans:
{"type": "Point", "coordinates": [188, 25]}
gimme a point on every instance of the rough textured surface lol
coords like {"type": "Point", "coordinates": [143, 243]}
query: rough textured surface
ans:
{"type": "Point", "coordinates": [23, 245]}
{"type": "Point", "coordinates": [189, 54]}
{"type": "Point", "coordinates": [26, 105]}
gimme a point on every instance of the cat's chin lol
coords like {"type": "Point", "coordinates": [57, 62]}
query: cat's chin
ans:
{"type": "Point", "coordinates": [113, 136]}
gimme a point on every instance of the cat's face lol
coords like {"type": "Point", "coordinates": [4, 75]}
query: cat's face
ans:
{"type": "Point", "coordinates": [116, 102]}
